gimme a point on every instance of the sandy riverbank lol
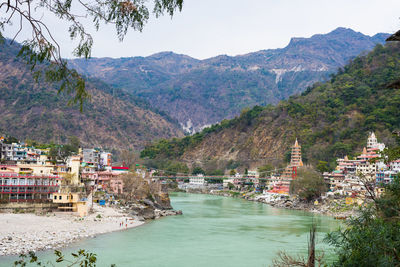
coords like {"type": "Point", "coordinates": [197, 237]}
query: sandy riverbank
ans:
{"type": "Point", "coordinates": [20, 233]}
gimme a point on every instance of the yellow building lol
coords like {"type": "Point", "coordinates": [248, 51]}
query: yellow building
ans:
{"type": "Point", "coordinates": [71, 202]}
{"type": "Point", "coordinates": [74, 163]}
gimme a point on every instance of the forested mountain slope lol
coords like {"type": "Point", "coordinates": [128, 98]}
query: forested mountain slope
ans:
{"type": "Point", "coordinates": [35, 111]}
{"type": "Point", "coordinates": [330, 120]}
{"type": "Point", "coordinates": [203, 92]}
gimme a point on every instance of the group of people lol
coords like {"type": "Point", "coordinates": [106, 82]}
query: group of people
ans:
{"type": "Point", "coordinates": [121, 224]}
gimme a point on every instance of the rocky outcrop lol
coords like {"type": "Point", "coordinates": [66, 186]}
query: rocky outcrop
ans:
{"type": "Point", "coordinates": [145, 199]}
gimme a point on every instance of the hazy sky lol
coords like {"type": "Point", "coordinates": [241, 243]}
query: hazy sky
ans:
{"type": "Point", "coordinates": [207, 28]}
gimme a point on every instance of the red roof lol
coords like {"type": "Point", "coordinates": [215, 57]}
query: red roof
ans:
{"type": "Point", "coordinates": [119, 168]}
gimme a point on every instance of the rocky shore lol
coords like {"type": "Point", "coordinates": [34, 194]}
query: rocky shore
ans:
{"type": "Point", "coordinates": [21, 233]}
{"type": "Point", "coordinates": [327, 206]}
{"type": "Point", "coordinates": [335, 207]}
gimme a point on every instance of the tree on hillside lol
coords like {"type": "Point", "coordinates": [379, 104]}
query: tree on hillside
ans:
{"type": "Point", "coordinates": [308, 184]}
{"type": "Point", "coordinates": [265, 170]}
{"type": "Point", "coordinates": [198, 170]}
{"type": "Point", "coordinates": [42, 47]}
{"type": "Point", "coordinates": [322, 166]}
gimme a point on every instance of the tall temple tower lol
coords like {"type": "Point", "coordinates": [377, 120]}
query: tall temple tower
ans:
{"type": "Point", "coordinates": [295, 158]}
{"type": "Point", "coordinates": [290, 171]}
{"type": "Point", "coordinates": [282, 185]}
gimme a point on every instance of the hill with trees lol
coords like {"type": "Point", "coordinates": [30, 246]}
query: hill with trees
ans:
{"type": "Point", "coordinates": [330, 119]}
{"type": "Point", "coordinates": [111, 118]}
{"type": "Point", "coordinates": [203, 92]}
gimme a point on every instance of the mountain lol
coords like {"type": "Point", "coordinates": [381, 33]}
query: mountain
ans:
{"type": "Point", "coordinates": [330, 119]}
{"type": "Point", "coordinates": [111, 118]}
{"type": "Point", "coordinates": [203, 92]}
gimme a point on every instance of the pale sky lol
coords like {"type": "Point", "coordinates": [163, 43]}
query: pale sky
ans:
{"type": "Point", "coordinates": [207, 28]}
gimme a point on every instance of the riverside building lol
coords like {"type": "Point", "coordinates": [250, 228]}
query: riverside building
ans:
{"type": "Point", "coordinates": [346, 179]}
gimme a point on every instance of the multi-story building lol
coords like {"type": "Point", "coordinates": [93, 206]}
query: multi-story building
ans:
{"type": "Point", "coordinates": [7, 151]}
{"type": "Point", "coordinates": [91, 156]}
{"type": "Point", "coordinates": [197, 180]}
{"type": "Point", "coordinates": [395, 166]}
{"type": "Point", "coordinates": [105, 159]}
{"type": "Point", "coordinates": [20, 186]}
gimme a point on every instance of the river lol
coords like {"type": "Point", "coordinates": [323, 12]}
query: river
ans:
{"type": "Point", "coordinates": [213, 231]}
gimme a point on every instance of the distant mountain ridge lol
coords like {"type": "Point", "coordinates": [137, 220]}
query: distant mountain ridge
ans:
{"type": "Point", "coordinates": [203, 92]}
{"type": "Point", "coordinates": [111, 119]}
{"type": "Point", "coordinates": [330, 120]}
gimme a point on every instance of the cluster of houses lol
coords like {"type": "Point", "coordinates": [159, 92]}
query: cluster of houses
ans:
{"type": "Point", "coordinates": [28, 175]}
{"type": "Point", "coordinates": [351, 174]}
{"type": "Point", "coordinates": [349, 178]}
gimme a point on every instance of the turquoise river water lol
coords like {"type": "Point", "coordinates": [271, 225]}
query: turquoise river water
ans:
{"type": "Point", "coordinates": [213, 231]}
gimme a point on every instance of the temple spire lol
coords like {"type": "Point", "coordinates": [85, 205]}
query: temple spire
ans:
{"type": "Point", "coordinates": [296, 144]}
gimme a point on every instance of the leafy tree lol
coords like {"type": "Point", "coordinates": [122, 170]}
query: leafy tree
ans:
{"type": "Point", "coordinates": [79, 258]}
{"type": "Point", "coordinates": [232, 172]}
{"type": "Point", "coordinates": [308, 184]}
{"type": "Point", "coordinates": [74, 143]}
{"type": "Point", "coordinates": [42, 46]}
{"type": "Point", "coordinates": [10, 140]}
{"type": "Point", "coordinates": [198, 170]}
{"type": "Point", "coordinates": [231, 186]}
{"type": "Point", "coordinates": [53, 154]}
{"type": "Point", "coordinates": [264, 170]}
{"type": "Point", "coordinates": [322, 166]}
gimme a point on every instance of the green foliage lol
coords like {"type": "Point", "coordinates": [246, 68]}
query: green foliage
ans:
{"type": "Point", "coordinates": [231, 186]}
{"type": "Point", "coordinates": [10, 140]}
{"type": "Point", "coordinates": [308, 184]}
{"type": "Point", "coordinates": [265, 170]}
{"type": "Point", "coordinates": [62, 152]}
{"type": "Point", "coordinates": [322, 166]}
{"type": "Point", "coordinates": [215, 172]}
{"type": "Point", "coordinates": [80, 258]}
{"type": "Point", "coordinates": [371, 239]}
{"type": "Point", "coordinates": [198, 170]}
{"type": "Point", "coordinates": [231, 165]}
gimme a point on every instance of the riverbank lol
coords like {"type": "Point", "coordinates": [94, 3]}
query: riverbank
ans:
{"type": "Point", "coordinates": [21, 233]}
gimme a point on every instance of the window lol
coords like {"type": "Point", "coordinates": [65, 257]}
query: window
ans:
{"type": "Point", "coordinates": [60, 197]}
{"type": "Point", "coordinates": [55, 197]}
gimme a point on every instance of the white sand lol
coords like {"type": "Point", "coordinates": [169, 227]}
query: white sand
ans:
{"type": "Point", "coordinates": [20, 233]}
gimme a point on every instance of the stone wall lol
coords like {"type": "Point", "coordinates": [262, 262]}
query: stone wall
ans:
{"type": "Point", "coordinates": [27, 207]}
